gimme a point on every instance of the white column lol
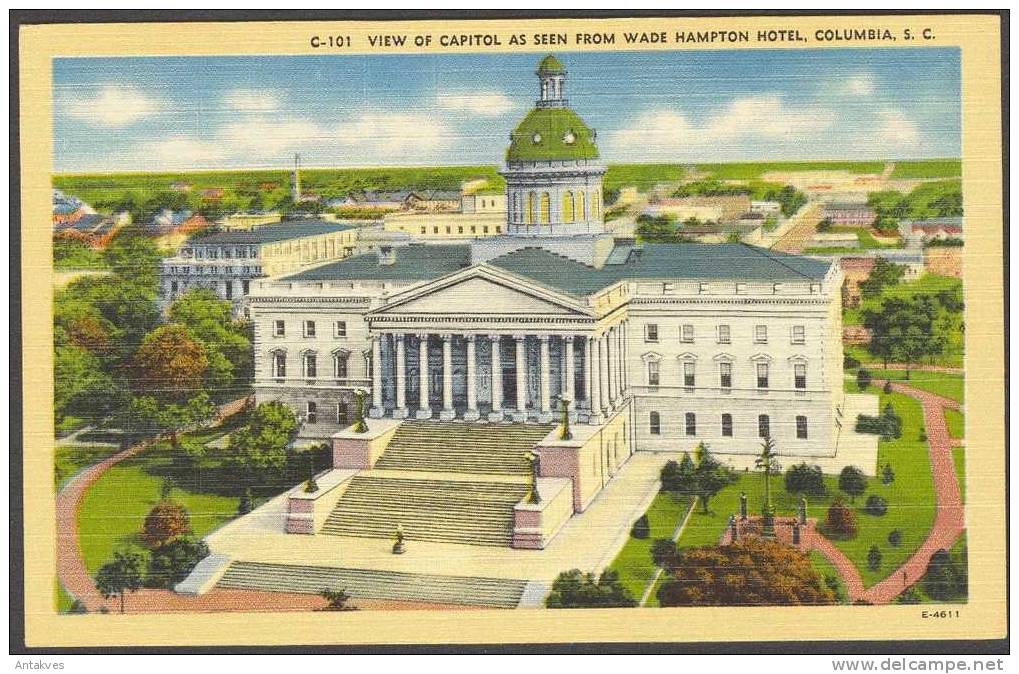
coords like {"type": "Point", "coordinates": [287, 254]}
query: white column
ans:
{"type": "Point", "coordinates": [447, 412]}
{"type": "Point", "coordinates": [472, 385]}
{"type": "Point", "coordinates": [618, 332]}
{"type": "Point", "coordinates": [521, 413]}
{"type": "Point", "coordinates": [400, 375]}
{"type": "Point", "coordinates": [624, 348]}
{"type": "Point", "coordinates": [496, 414]}
{"type": "Point", "coordinates": [588, 374]}
{"type": "Point", "coordinates": [594, 347]}
{"type": "Point", "coordinates": [568, 390]}
{"type": "Point", "coordinates": [610, 370]}
{"type": "Point", "coordinates": [376, 410]}
{"type": "Point", "coordinates": [603, 372]}
{"type": "Point", "coordinates": [545, 387]}
{"type": "Point", "coordinates": [424, 411]}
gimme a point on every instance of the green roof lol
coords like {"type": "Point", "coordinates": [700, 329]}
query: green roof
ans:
{"type": "Point", "coordinates": [735, 261]}
{"type": "Point", "coordinates": [551, 65]}
{"type": "Point", "coordinates": [415, 262]}
{"type": "Point", "coordinates": [551, 134]}
{"type": "Point", "coordinates": [272, 233]}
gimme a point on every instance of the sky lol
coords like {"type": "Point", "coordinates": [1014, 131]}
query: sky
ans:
{"type": "Point", "coordinates": [167, 114]}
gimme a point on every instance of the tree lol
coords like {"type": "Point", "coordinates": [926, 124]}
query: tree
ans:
{"type": "Point", "coordinates": [172, 417]}
{"type": "Point", "coordinates": [875, 506]}
{"type": "Point", "coordinates": [167, 521]}
{"type": "Point", "coordinates": [709, 476]}
{"type": "Point", "coordinates": [260, 449]}
{"type": "Point", "coordinates": [945, 578]}
{"type": "Point", "coordinates": [883, 274]}
{"type": "Point", "coordinates": [226, 342]}
{"type": "Point", "coordinates": [853, 482]}
{"type": "Point", "coordinates": [907, 330]}
{"type": "Point", "coordinates": [663, 550]}
{"type": "Point", "coordinates": [81, 388]}
{"type": "Point", "coordinates": [656, 229]}
{"type": "Point", "coordinates": [804, 479]}
{"type": "Point", "coordinates": [172, 562]}
{"type": "Point", "coordinates": [169, 364]}
{"type": "Point", "coordinates": [122, 574]}
{"type": "Point", "coordinates": [135, 258]}
{"type": "Point", "coordinates": [751, 572]}
{"type": "Point", "coordinates": [337, 600]}
{"type": "Point", "coordinates": [862, 379]}
{"type": "Point", "coordinates": [895, 537]}
{"type": "Point", "coordinates": [887, 475]}
{"type": "Point", "coordinates": [574, 589]}
{"type": "Point", "coordinates": [678, 477]}
{"type": "Point", "coordinates": [767, 462]}
{"type": "Point", "coordinates": [840, 521]}
{"type": "Point", "coordinates": [641, 528]}
{"type": "Point", "coordinates": [874, 558]}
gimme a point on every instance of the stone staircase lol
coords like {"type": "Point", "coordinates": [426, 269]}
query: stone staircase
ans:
{"type": "Point", "coordinates": [428, 506]}
{"type": "Point", "coordinates": [476, 449]}
{"type": "Point", "coordinates": [374, 584]}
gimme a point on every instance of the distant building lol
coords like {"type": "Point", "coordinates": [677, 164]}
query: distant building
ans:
{"type": "Point", "coordinates": [213, 193]}
{"type": "Point", "coordinates": [175, 222]}
{"type": "Point", "coordinates": [226, 262]}
{"type": "Point", "coordinates": [68, 209]}
{"type": "Point", "coordinates": [943, 260]}
{"type": "Point", "coordinates": [849, 214]}
{"type": "Point", "coordinates": [247, 220]}
{"type": "Point", "coordinates": [181, 186]}
{"type": "Point", "coordinates": [726, 208]}
{"type": "Point", "coordinates": [931, 229]}
{"type": "Point", "coordinates": [483, 202]}
{"type": "Point", "coordinates": [854, 271]}
{"type": "Point", "coordinates": [766, 208]}
{"type": "Point", "coordinates": [432, 200]}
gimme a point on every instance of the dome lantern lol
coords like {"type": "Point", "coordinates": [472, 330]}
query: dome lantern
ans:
{"type": "Point", "coordinates": [551, 79]}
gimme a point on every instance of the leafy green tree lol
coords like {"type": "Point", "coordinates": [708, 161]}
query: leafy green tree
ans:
{"type": "Point", "coordinates": [124, 573]}
{"type": "Point", "coordinates": [702, 478]}
{"type": "Point", "coordinates": [679, 477]}
{"type": "Point", "coordinates": [883, 274]}
{"type": "Point", "coordinates": [641, 528]}
{"type": "Point", "coordinates": [804, 479]}
{"type": "Point", "coordinates": [172, 562]}
{"type": "Point", "coordinates": [226, 342]}
{"type": "Point", "coordinates": [874, 558]}
{"type": "Point", "coordinates": [167, 521]}
{"type": "Point", "coordinates": [946, 578]}
{"type": "Point", "coordinates": [656, 229]}
{"type": "Point", "coordinates": [81, 388]}
{"type": "Point", "coordinates": [260, 448]}
{"type": "Point", "coordinates": [170, 417]}
{"type": "Point", "coordinates": [863, 379]}
{"type": "Point", "coordinates": [135, 258]}
{"type": "Point", "coordinates": [907, 330]}
{"type": "Point", "coordinates": [852, 482]}
{"type": "Point", "coordinates": [574, 589]}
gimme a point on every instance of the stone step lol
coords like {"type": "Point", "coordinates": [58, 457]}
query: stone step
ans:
{"type": "Point", "coordinates": [375, 584]}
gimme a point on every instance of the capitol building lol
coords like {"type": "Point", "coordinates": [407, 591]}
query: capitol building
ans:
{"type": "Point", "coordinates": [648, 347]}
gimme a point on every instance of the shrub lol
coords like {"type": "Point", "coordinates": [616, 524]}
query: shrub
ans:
{"type": "Point", "coordinates": [893, 423]}
{"type": "Point", "coordinates": [852, 481]}
{"type": "Point", "coordinates": [166, 521]}
{"type": "Point", "coordinates": [641, 528]}
{"type": "Point", "coordinates": [850, 363]}
{"type": "Point", "coordinates": [895, 537]}
{"type": "Point", "coordinates": [840, 521]}
{"type": "Point", "coordinates": [573, 589]}
{"type": "Point", "coordinates": [337, 601]}
{"type": "Point", "coordinates": [875, 506]}
{"type": "Point", "coordinates": [171, 563]}
{"type": "Point", "coordinates": [247, 503]}
{"type": "Point", "coordinates": [887, 475]}
{"type": "Point", "coordinates": [910, 596]}
{"type": "Point", "coordinates": [77, 608]}
{"type": "Point", "coordinates": [804, 479]}
{"type": "Point", "coordinates": [863, 379]}
{"type": "Point", "coordinates": [873, 558]}
{"type": "Point", "coordinates": [922, 435]}
{"type": "Point", "coordinates": [838, 590]}
{"type": "Point", "coordinates": [946, 578]}
{"type": "Point", "coordinates": [887, 388]}
{"type": "Point", "coordinates": [663, 552]}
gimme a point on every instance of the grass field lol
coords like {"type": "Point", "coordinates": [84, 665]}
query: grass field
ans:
{"type": "Point", "coordinates": [945, 384]}
{"type": "Point", "coordinates": [633, 562]}
{"type": "Point", "coordinates": [930, 168]}
{"type": "Point", "coordinates": [70, 459]}
{"type": "Point", "coordinates": [61, 599]}
{"type": "Point", "coordinates": [825, 569]}
{"type": "Point", "coordinates": [750, 170]}
{"type": "Point", "coordinates": [956, 423]}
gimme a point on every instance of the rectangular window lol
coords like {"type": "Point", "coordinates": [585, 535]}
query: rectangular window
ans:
{"type": "Point", "coordinates": [724, 336]}
{"type": "Point", "coordinates": [279, 328]}
{"type": "Point", "coordinates": [687, 333]}
{"type": "Point", "coordinates": [447, 229]}
{"type": "Point", "coordinates": [229, 289]}
{"type": "Point", "coordinates": [340, 365]}
{"type": "Point", "coordinates": [652, 373]}
{"type": "Point", "coordinates": [702, 287]}
{"type": "Point", "coordinates": [725, 375]}
{"type": "Point", "coordinates": [761, 334]}
{"type": "Point", "coordinates": [691, 423]}
{"type": "Point", "coordinates": [655, 423]}
{"type": "Point", "coordinates": [460, 229]}
{"type": "Point", "coordinates": [764, 426]}
{"type": "Point", "coordinates": [799, 335]}
{"type": "Point", "coordinates": [762, 375]}
{"type": "Point", "coordinates": [310, 366]}
{"type": "Point", "coordinates": [245, 287]}
{"type": "Point", "coordinates": [800, 375]}
{"type": "Point", "coordinates": [312, 412]}
{"type": "Point", "coordinates": [485, 229]}
{"type": "Point", "coordinates": [727, 425]}
{"type": "Point", "coordinates": [342, 414]}
{"type": "Point", "coordinates": [424, 230]}
{"type": "Point", "coordinates": [173, 286]}
{"type": "Point", "coordinates": [651, 332]}
{"type": "Point", "coordinates": [309, 328]}
{"type": "Point", "coordinates": [435, 230]}
{"type": "Point", "coordinates": [279, 365]}
{"type": "Point", "coordinates": [340, 329]}
{"type": "Point", "coordinates": [688, 374]}
{"type": "Point", "coordinates": [801, 428]}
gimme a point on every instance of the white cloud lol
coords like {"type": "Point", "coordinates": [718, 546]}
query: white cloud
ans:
{"type": "Point", "coordinates": [176, 152]}
{"type": "Point", "coordinates": [407, 135]}
{"type": "Point", "coordinates": [860, 85]}
{"type": "Point", "coordinates": [744, 123]}
{"type": "Point", "coordinates": [251, 100]}
{"type": "Point", "coordinates": [265, 137]}
{"type": "Point", "coordinates": [896, 128]}
{"type": "Point", "coordinates": [110, 106]}
{"type": "Point", "coordinates": [480, 103]}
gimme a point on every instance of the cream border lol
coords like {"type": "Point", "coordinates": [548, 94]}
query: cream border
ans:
{"type": "Point", "coordinates": [982, 618]}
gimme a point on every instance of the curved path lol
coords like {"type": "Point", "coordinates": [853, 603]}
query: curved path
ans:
{"type": "Point", "coordinates": [948, 519]}
{"type": "Point", "coordinates": [70, 566]}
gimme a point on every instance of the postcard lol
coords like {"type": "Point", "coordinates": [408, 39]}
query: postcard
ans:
{"type": "Point", "coordinates": [550, 330]}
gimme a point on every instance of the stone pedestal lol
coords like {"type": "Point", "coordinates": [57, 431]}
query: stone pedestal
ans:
{"type": "Point", "coordinates": [447, 415]}
{"type": "Point", "coordinates": [400, 413]}
{"type": "Point", "coordinates": [376, 413]}
{"type": "Point", "coordinates": [495, 416]}
{"type": "Point", "coordinates": [519, 417]}
{"type": "Point", "coordinates": [423, 414]}
{"type": "Point", "coordinates": [472, 415]}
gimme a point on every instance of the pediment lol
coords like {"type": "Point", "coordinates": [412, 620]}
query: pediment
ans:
{"type": "Point", "coordinates": [482, 293]}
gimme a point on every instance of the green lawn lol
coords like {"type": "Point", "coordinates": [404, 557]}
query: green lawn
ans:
{"type": "Point", "coordinates": [951, 386]}
{"type": "Point", "coordinates": [70, 459]}
{"type": "Point", "coordinates": [633, 562]}
{"type": "Point", "coordinates": [825, 568]}
{"type": "Point", "coordinates": [750, 170]}
{"type": "Point", "coordinates": [959, 459]}
{"type": "Point", "coordinates": [61, 599]}
{"type": "Point", "coordinates": [928, 168]}
{"type": "Point", "coordinates": [956, 423]}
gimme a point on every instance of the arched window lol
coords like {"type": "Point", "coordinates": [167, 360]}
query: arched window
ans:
{"type": "Point", "coordinates": [568, 213]}
{"type": "Point", "coordinates": [545, 214]}
{"type": "Point", "coordinates": [529, 210]}
{"type": "Point", "coordinates": [655, 423]}
{"type": "Point", "coordinates": [279, 364]}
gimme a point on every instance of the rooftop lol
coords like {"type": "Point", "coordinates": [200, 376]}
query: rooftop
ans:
{"type": "Point", "coordinates": [551, 134]}
{"type": "Point", "coordinates": [283, 231]}
{"type": "Point", "coordinates": [422, 262]}
{"type": "Point", "coordinates": [550, 65]}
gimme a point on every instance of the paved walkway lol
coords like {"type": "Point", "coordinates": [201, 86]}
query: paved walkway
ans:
{"type": "Point", "coordinates": [798, 236]}
{"type": "Point", "coordinates": [70, 566]}
{"type": "Point", "coordinates": [949, 520]}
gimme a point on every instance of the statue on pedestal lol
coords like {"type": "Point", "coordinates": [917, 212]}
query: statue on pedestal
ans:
{"type": "Point", "coordinates": [360, 426]}
{"type": "Point", "coordinates": [803, 510]}
{"type": "Point", "coordinates": [533, 461]}
{"type": "Point", "coordinates": [398, 548]}
{"type": "Point", "coordinates": [564, 432]}
{"type": "Point", "coordinates": [742, 505]}
{"type": "Point", "coordinates": [766, 462]}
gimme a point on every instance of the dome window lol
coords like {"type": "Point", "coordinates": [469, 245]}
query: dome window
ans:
{"type": "Point", "coordinates": [536, 138]}
{"type": "Point", "coordinates": [569, 138]}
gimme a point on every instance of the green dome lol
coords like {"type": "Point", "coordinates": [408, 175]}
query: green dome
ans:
{"type": "Point", "coordinates": [551, 134]}
{"type": "Point", "coordinates": [550, 65]}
